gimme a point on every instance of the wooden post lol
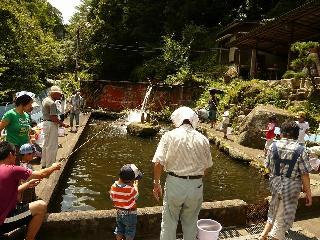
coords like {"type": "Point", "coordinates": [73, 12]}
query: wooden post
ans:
{"type": "Point", "coordinates": [253, 67]}
{"type": "Point", "coordinates": [291, 40]}
{"type": "Point", "coordinates": [289, 58]}
{"type": "Point", "coordinates": [239, 61]}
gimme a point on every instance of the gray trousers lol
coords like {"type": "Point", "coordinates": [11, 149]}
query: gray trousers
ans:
{"type": "Point", "coordinates": [75, 115]}
{"type": "Point", "coordinates": [182, 200]}
{"type": "Point", "coordinates": [50, 145]}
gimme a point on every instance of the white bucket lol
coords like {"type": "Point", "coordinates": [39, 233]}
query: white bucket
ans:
{"type": "Point", "coordinates": [61, 132]}
{"type": "Point", "coordinates": [208, 229]}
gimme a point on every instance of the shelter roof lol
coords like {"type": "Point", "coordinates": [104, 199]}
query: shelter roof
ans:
{"type": "Point", "coordinates": [300, 24]}
{"type": "Point", "coordinates": [235, 28]}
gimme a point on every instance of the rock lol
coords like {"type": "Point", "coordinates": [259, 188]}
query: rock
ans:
{"type": "Point", "coordinates": [251, 126]}
{"type": "Point", "coordinates": [142, 129]}
{"type": "Point", "coordinates": [295, 83]}
{"type": "Point", "coordinates": [240, 118]}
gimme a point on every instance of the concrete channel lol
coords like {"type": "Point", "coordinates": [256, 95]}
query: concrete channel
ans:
{"type": "Point", "coordinates": [232, 214]}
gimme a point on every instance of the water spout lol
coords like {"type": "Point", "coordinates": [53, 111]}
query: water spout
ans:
{"type": "Point", "coordinates": [135, 115]}
{"type": "Point", "coordinates": [146, 98]}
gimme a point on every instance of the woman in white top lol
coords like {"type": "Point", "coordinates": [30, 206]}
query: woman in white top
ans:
{"type": "Point", "coordinates": [304, 127]}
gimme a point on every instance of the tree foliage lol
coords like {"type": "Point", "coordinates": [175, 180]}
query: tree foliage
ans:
{"type": "Point", "coordinates": [129, 39]}
{"type": "Point", "coordinates": [305, 62]}
{"type": "Point", "coordinates": [168, 40]}
{"type": "Point", "coordinates": [29, 50]}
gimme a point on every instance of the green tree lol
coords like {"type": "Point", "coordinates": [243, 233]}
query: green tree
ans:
{"type": "Point", "coordinates": [28, 53]}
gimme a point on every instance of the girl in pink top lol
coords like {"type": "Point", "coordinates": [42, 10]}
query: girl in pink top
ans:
{"type": "Point", "coordinates": [270, 135]}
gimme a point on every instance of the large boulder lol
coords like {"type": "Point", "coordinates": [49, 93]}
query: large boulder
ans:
{"type": "Point", "coordinates": [142, 129]}
{"type": "Point", "coordinates": [250, 134]}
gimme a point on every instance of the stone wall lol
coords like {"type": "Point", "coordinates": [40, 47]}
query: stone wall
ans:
{"type": "Point", "coordinates": [101, 224]}
{"type": "Point", "coordinates": [298, 89]}
{"type": "Point", "coordinates": [117, 96]}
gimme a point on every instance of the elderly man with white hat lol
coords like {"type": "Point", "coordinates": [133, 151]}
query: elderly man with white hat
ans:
{"type": "Point", "coordinates": [185, 155]}
{"type": "Point", "coordinates": [50, 127]}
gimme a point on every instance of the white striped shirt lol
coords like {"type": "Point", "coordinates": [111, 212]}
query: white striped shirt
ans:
{"type": "Point", "coordinates": [184, 151]}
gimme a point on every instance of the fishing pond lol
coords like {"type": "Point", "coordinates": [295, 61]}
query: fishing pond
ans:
{"type": "Point", "coordinates": [96, 165]}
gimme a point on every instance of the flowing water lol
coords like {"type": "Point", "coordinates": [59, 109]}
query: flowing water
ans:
{"type": "Point", "coordinates": [97, 164]}
{"type": "Point", "coordinates": [135, 115]}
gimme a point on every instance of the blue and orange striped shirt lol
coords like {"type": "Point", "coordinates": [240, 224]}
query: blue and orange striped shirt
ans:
{"type": "Point", "coordinates": [123, 196]}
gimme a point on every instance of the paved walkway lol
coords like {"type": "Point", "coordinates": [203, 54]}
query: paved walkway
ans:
{"type": "Point", "coordinates": [302, 229]}
{"type": "Point", "coordinates": [46, 187]}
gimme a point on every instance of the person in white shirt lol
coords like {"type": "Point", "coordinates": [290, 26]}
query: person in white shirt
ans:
{"type": "Point", "coordinates": [185, 155]}
{"type": "Point", "coordinates": [304, 127]}
{"type": "Point", "coordinates": [61, 106]}
{"type": "Point", "coordinates": [225, 123]}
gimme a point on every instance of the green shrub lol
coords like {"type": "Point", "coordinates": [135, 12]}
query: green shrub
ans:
{"type": "Point", "coordinates": [241, 97]}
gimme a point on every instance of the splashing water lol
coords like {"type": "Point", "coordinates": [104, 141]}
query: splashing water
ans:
{"type": "Point", "coordinates": [135, 115]}
{"type": "Point", "coordinates": [146, 98]}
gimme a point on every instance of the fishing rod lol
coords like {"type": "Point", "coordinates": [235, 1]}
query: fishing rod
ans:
{"type": "Point", "coordinates": [65, 158]}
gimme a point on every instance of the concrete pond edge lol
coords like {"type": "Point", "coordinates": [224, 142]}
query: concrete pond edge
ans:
{"type": "Point", "coordinates": [100, 224]}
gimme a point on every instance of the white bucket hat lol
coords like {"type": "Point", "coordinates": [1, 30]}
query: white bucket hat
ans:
{"type": "Point", "coordinates": [30, 94]}
{"type": "Point", "coordinates": [182, 113]}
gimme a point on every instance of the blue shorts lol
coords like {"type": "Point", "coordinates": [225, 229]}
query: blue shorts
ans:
{"type": "Point", "coordinates": [126, 225]}
{"type": "Point", "coordinates": [212, 115]}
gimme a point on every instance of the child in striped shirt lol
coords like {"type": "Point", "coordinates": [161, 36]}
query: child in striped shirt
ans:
{"type": "Point", "coordinates": [124, 194]}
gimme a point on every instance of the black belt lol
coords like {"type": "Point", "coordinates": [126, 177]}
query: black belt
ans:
{"type": "Point", "coordinates": [185, 177]}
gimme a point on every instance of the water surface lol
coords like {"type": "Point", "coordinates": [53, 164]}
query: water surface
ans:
{"type": "Point", "coordinates": [97, 166]}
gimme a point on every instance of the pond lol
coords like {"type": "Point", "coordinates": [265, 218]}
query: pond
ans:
{"type": "Point", "coordinates": [97, 164]}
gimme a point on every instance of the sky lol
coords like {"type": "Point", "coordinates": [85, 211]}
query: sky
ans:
{"type": "Point", "coordinates": [66, 7]}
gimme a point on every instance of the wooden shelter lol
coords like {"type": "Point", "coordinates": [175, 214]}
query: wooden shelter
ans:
{"type": "Point", "coordinates": [270, 43]}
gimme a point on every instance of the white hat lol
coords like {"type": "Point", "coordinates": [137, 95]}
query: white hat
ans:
{"type": "Point", "coordinates": [183, 113]}
{"type": "Point", "coordinates": [35, 104]}
{"type": "Point", "coordinates": [226, 114]}
{"type": "Point", "coordinates": [55, 89]}
{"type": "Point", "coordinates": [30, 94]}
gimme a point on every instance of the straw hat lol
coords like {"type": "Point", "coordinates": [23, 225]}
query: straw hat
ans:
{"type": "Point", "coordinates": [35, 104]}
{"type": "Point", "coordinates": [55, 89]}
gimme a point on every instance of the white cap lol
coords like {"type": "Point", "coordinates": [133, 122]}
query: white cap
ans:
{"type": "Point", "coordinates": [226, 114]}
{"type": "Point", "coordinates": [183, 113]}
{"type": "Point", "coordinates": [30, 94]}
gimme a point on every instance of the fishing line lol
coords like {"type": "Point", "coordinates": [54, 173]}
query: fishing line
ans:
{"type": "Point", "coordinates": [65, 158]}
